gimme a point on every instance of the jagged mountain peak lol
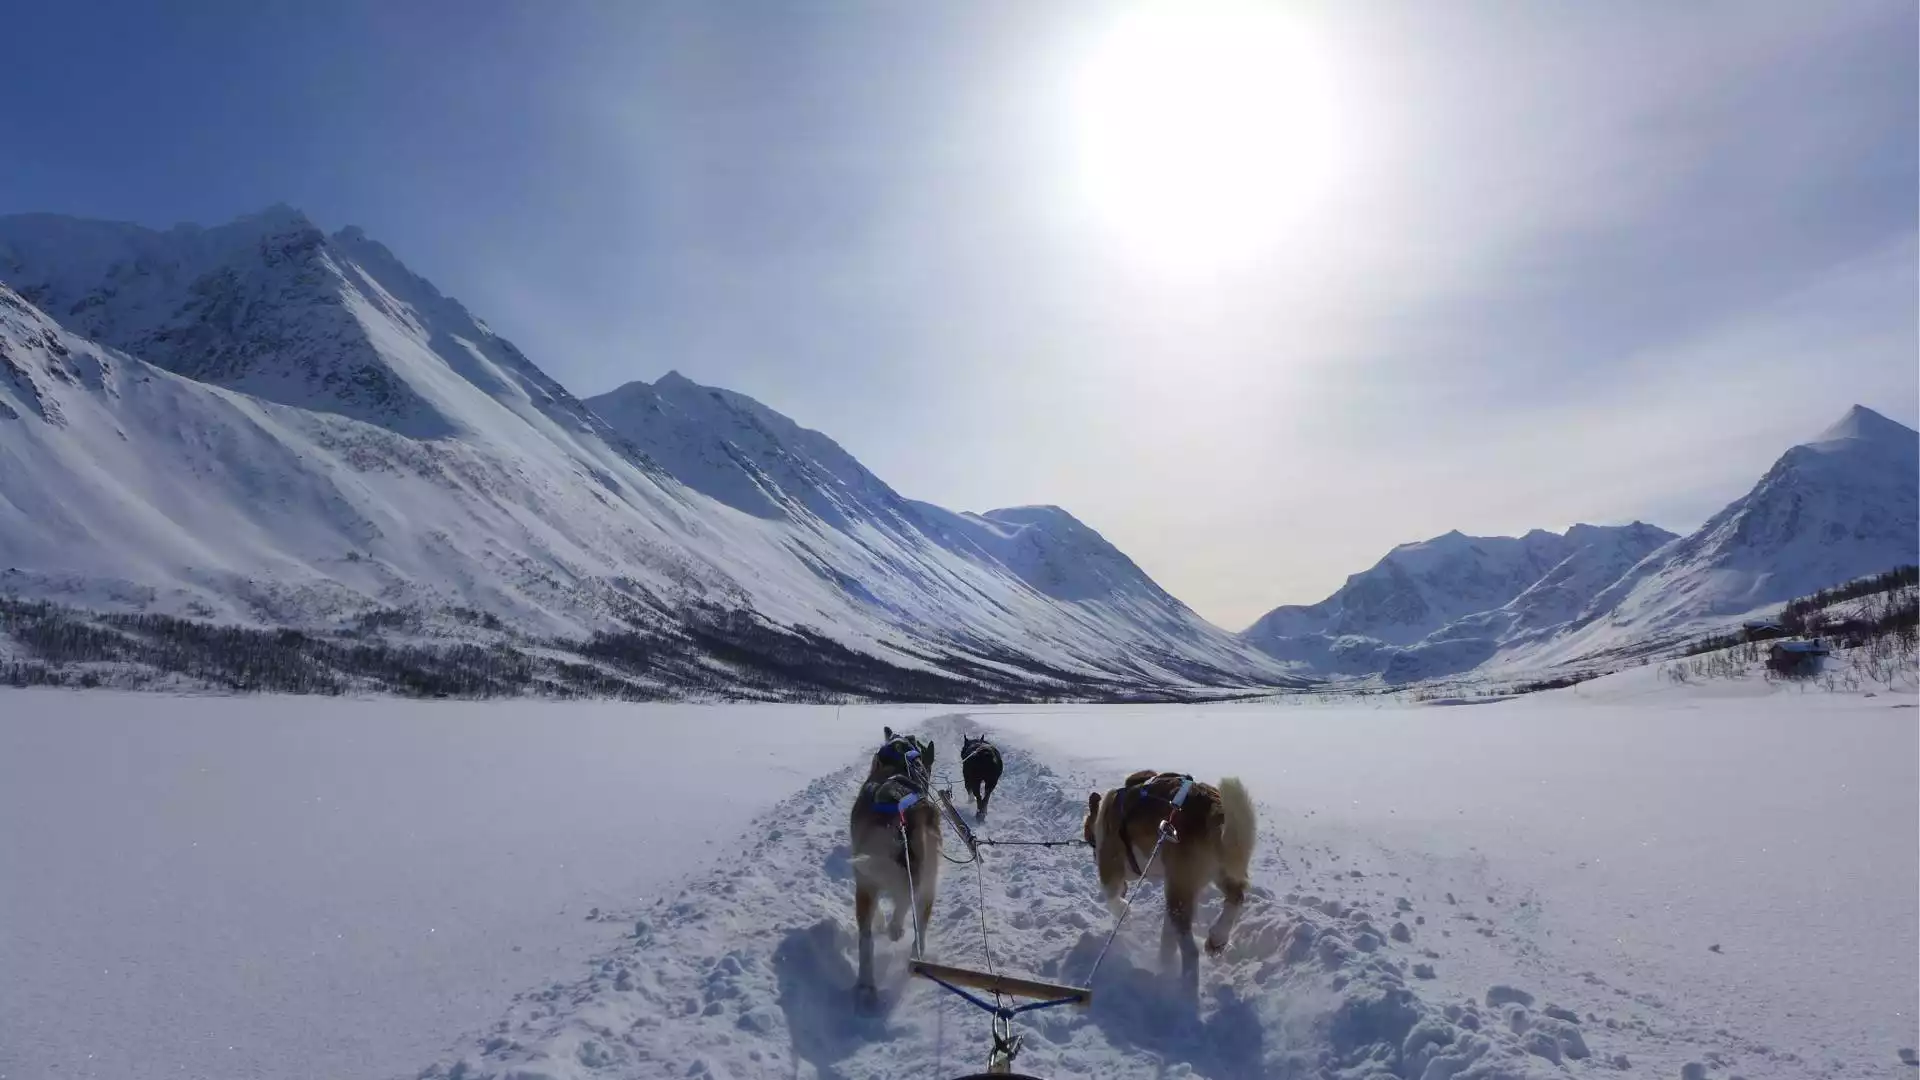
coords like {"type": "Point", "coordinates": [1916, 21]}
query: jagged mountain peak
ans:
{"type": "Point", "coordinates": [1447, 540]}
{"type": "Point", "coordinates": [742, 453]}
{"type": "Point", "coordinates": [1032, 514]}
{"type": "Point", "coordinates": [1867, 425]}
{"type": "Point", "coordinates": [376, 259]}
{"type": "Point", "coordinates": [258, 304]}
{"type": "Point", "coordinates": [1838, 507]}
{"type": "Point", "coordinates": [47, 256]}
{"type": "Point", "coordinates": [700, 397]}
{"type": "Point", "coordinates": [276, 219]}
{"type": "Point", "coordinates": [1581, 530]}
{"type": "Point", "coordinates": [270, 305]}
{"type": "Point", "coordinates": [1445, 604]}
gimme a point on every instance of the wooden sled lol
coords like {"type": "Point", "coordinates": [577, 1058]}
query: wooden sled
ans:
{"type": "Point", "coordinates": [1009, 985]}
{"type": "Point", "coordinates": [1006, 1044]}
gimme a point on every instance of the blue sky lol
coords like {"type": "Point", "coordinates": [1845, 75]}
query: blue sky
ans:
{"type": "Point", "coordinates": [1508, 265]}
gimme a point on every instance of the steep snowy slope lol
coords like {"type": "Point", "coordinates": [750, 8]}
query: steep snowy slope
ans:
{"type": "Point", "coordinates": [738, 451]}
{"type": "Point", "coordinates": [121, 483]}
{"type": "Point", "coordinates": [1842, 506]}
{"type": "Point", "coordinates": [325, 434]}
{"type": "Point", "coordinates": [730, 447]}
{"type": "Point", "coordinates": [909, 556]}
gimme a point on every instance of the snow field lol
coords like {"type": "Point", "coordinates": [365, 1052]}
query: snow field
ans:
{"type": "Point", "coordinates": [1606, 847]}
{"type": "Point", "coordinates": [311, 889]}
{"type": "Point", "coordinates": [284, 887]}
{"type": "Point", "coordinates": [1483, 927]}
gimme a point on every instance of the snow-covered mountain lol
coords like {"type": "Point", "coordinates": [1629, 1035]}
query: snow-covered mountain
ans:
{"type": "Point", "coordinates": [264, 423]}
{"type": "Point", "coordinates": [1419, 588]}
{"type": "Point", "coordinates": [272, 306]}
{"type": "Point", "coordinates": [1842, 506]}
{"type": "Point", "coordinates": [1839, 507]}
{"type": "Point", "coordinates": [918, 561]}
{"type": "Point", "coordinates": [730, 447]}
{"type": "Point", "coordinates": [1446, 604]}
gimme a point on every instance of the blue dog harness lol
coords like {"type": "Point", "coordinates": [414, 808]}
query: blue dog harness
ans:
{"type": "Point", "coordinates": [904, 788]}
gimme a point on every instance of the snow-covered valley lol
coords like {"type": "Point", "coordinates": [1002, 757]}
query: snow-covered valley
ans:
{"type": "Point", "coordinates": [1721, 875]}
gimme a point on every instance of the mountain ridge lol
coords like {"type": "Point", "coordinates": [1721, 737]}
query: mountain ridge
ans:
{"type": "Point", "coordinates": [264, 421]}
{"type": "Point", "coordinates": [1842, 505]}
{"type": "Point", "coordinates": [1836, 507]}
{"type": "Point", "coordinates": [494, 488]}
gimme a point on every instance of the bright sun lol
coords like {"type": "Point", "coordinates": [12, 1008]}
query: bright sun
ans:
{"type": "Point", "coordinates": [1203, 131]}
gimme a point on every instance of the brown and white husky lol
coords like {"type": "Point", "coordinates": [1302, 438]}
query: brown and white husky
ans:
{"type": "Point", "coordinates": [1214, 830]}
{"type": "Point", "coordinates": [894, 799]}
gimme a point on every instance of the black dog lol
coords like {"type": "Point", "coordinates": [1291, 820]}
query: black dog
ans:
{"type": "Point", "coordinates": [980, 767]}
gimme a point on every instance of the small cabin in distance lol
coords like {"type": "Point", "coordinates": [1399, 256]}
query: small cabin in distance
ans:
{"type": "Point", "coordinates": [1796, 659]}
{"type": "Point", "coordinates": [1761, 630]}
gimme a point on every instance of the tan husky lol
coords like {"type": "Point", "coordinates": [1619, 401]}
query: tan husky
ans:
{"type": "Point", "coordinates": [1211, 840]}
{"type": "Point", "coordinates": [881, 863]}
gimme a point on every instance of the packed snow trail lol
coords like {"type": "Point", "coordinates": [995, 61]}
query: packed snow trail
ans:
{"type": "Point", "coordinates": [748, 972]}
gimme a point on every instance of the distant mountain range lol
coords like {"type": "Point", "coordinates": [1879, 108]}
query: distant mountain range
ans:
{"type": "Point", "coordinates": [268, 425]}
{"type": "Point", "coordinates": [1838, 507]}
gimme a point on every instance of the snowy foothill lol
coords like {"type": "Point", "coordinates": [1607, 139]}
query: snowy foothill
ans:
{"type": "Point", "coordinates": [1631, 876]}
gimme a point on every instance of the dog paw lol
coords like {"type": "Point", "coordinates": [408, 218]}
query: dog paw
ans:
{"type": "Point", "coordinates": [1216, 944]}
{"type": "Point", "coordinates": [866, 1000]}
{"type": "Point", "coordinates": [896, 932]}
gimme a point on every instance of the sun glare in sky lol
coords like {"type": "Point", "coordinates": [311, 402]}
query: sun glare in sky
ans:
{"type": "Point", "coordinates": [1202, 133]}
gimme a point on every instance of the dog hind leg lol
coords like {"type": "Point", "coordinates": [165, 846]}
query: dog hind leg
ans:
{"type": "Point", "coordinates": [1167, 943]}
{"type": "Point", "coordinates": [1234, 899]}
{"type": "Point", "coordinates": [1180, 901]}
{"type": "Point", "coordinates": [865, 994]}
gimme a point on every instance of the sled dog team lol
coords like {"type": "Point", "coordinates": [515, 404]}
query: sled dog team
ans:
{"type": "Point", "coordinates": [1210, 834]}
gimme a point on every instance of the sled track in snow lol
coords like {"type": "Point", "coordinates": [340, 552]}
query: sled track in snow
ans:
{"type": "Point", "coordinates": [748, 972]}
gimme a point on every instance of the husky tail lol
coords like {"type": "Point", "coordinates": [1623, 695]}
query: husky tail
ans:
{"type": "Point", "coordinates": [1240, 830]}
